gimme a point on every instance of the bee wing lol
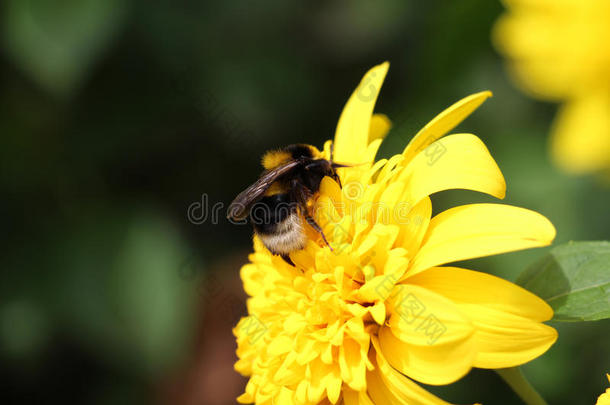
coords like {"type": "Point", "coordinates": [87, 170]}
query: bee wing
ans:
{"type": "Point", "coordinates": [244, 200]}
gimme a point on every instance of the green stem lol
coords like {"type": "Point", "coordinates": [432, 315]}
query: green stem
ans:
{"type": "Point", "coordinates": [517, 381]}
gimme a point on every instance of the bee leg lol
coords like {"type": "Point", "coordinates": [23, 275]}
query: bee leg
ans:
{"type": "Point", "coordinates": [312, 222]}
{"type": "Point", "coordinates": [288, 260]}
{"type": "Point", "coordinates": [301, 194]}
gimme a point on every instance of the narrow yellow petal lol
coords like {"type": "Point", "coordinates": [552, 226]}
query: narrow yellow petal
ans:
{"type": "Point", "coordinates": [389, 169]}
{"type": "Point", "coordinates": [507, 340]}
{"type": "Point", "coordinates": [379, 127]}
{"type": "Point", "coordinates": [400, 387]}
{"type": "Point", "coordinates": [352, 134]}
{"type": "Point", "coordinates": [245, 398]}
{"type": "Point", "coordinates": [369, 156]}
{"type": "Point", "coordinates": [352, 364]}
{"type": "Point", "coordinates": [280, 345]}
{"type": "Point", "coordinates": [378, 391]}
{"type": "Point", "coordinates": [472, 287]}
{"type": "Point", "coordinates": [443, 123]}
{"type": "Point", "coordinates": [330, 188]}
{"type": "Point", "coordinates": [378, 312]}
{"type": "Point", "coordinates": [414, 224]}
{"type": "Point", "coordinates": [386, 207]}
{"type": "Point", "coordinates": [333, 386]}
{"type": "Point", "coordinates": [351, 397]}
{"type": "Point", "coordinates": [459, 161]}
{"type": "Point", "coordinates": [478, 230]}
{"type": "Point", "coordinates": [434, 365]}
{"type": "Point", "coordinates": [316, 388]}
{"type": "Point", "coordinates": [286, 396]}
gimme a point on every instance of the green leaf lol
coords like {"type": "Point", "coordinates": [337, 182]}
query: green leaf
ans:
{"type": "Point", "coordinates": [574, 279]}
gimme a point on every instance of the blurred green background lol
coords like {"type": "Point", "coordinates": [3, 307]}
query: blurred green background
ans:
{"type": "Point", "coordinates": [117, 116]}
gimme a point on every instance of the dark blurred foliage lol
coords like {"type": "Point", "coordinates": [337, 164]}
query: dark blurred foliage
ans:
{"type": "Point", "coordinates": [118, 115]}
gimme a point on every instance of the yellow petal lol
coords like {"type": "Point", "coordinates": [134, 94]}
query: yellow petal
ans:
{"type": "Point", "coordinates": [413, 224]}
{"type": "Point", "coordinates": [331, 189]}
{"type": "Point", "coordinates": [245, 399]}
{"type": "Point", "coordinates": [386, 208]}
{"type": "Point", "coordinates": [378, 312]}
{"type": "Point", "coordinates": [369, 156]}
{"type": "Point", "coordinates": [422, 317]}
{"type": "Point", "coordinates": [316, 388]}
{"type": "Point", "coordinates": [248, 397]}
{"type": "Point", "coordinates": [378, 391]}
{"type": "Point", "coordinates": [507, 340]}
{"type": "Point", "coordinates": [286, 396]}
{"type": "Point", "coordinates": [478, 230]}
{"type": "Point", "coordinates": [352, 359]}
{"type": "Point", "coordinates": [443, 123]}
{"type": "Point", "coordinates": [352, 134]}
{"type": "Point", "coordinates": [333, 386]}
{"type": "Point", "coordinates": [472, 287]}
{"type": "Point", "coordinates": [379, 127]}
{"type": "Point", "coordinates": [379, 288]}
{"type": "Point", "coordinates": [459, 161]}
{"type": "Point", "coordinates": [434, 365]}
{"type": "Point", "coordinates": [402, 389]}
{"type": "Point", "coordinates": [351, 397]}
{"type": "Point", "coordinates": [368, 175]}
{"type": "Point", "coordinates": [389, 169]}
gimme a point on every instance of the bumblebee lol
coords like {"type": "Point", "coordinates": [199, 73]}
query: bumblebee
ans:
{"type": "Point", "coordinates": [279, 201]}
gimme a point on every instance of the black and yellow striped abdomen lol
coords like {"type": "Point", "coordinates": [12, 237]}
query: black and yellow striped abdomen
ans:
{"type": "Point", "coordinates": [277, 222]}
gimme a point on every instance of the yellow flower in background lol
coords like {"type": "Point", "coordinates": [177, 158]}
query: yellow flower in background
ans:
{"type": "Point", "coordinates": [558, 51]}
{"type": "Point", "coordinates": [604, 399]}
{"type": "Point", "coordinates": [361, 323]}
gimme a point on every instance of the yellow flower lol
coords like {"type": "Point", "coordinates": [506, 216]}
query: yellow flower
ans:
{"type": "Point", "coordinates": [604, 399]}
{"type": "Point", "coordinates": [558, 51]}
{"type": "Point", "coordinates": [356, 325]}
